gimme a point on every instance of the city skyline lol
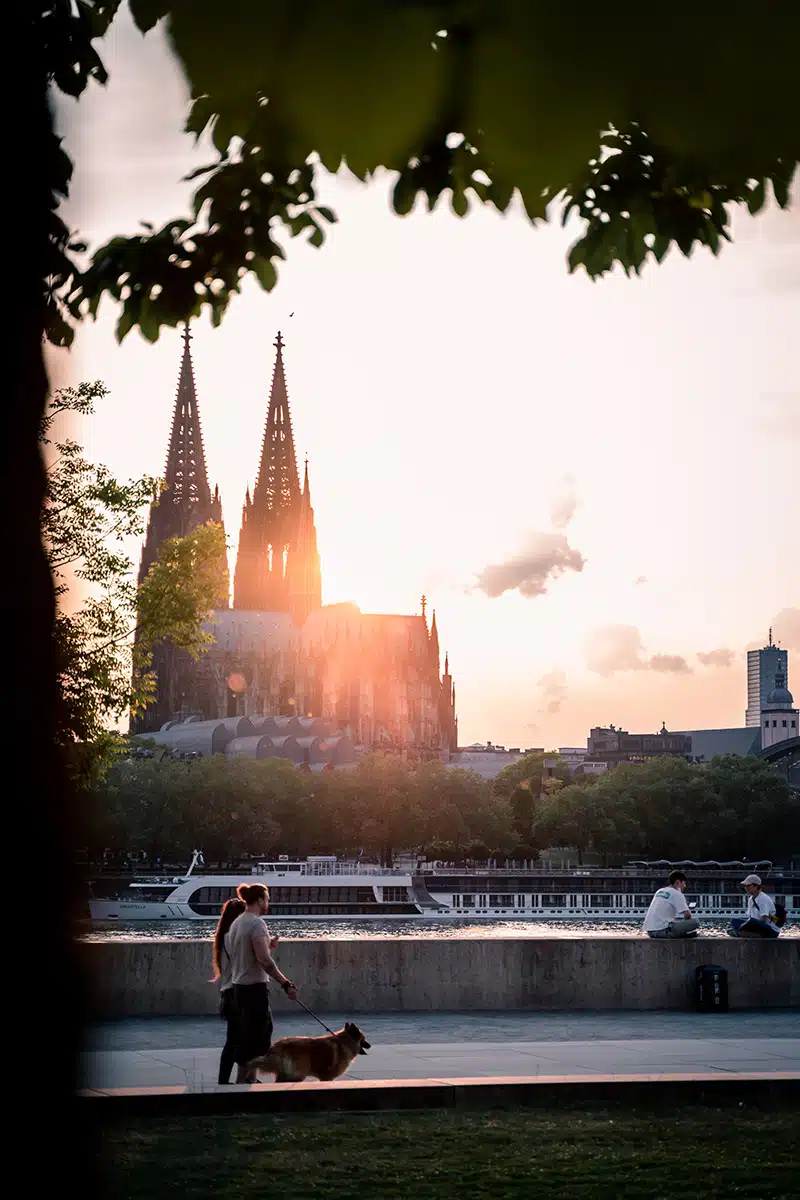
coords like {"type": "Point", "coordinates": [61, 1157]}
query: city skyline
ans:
{"type": "Point", "coordinates": [621, 452]}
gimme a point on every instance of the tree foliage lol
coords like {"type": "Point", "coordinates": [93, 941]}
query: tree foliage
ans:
{"type": "Point", "coordinates": [234, 807]}
{"type": "Point", "coordinates": [104, 645]}
{"type": "Point", "coordinates": [478, 101]}
{"type": "Point", "coordinates": [734, 808]}
{"type": "Point", "coordinates": [238, 806]}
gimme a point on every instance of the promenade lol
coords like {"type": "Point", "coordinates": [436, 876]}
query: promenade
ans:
{"type": "Point", "coordinates": [154, 1052]}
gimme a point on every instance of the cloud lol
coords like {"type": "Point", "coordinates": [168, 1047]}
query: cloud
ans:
{"type": "Point", "coordinates": [786, 628]}
{"type": "Point", "coordinates": [562, 510]}
{"type": "Point", "coordinates": [717, 658]}
{"type": "Point", "coordinates": [554, 691]}
{"type": "Point", "coordinates": [547, 556]}
{"type": "Point", "coordinates": [670, 664]}
{"type": "Point", "coordinates": [612, 648]}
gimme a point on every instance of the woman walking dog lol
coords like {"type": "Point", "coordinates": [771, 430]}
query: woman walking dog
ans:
{"type": "Point", "coordinates": [231, 909]}
{"type": "Point", "coordinates": [249, 945]}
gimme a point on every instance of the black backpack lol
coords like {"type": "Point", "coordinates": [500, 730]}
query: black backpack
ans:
{"type": "Point", "coordinates": [780, 914]}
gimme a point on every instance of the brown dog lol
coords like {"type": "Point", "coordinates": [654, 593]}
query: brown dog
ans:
{"type": "Point", "coordinates": [293, 1059]}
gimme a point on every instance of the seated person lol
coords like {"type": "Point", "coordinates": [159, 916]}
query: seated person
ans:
{"type": "Point", "coordinates": [668, 915]}
{"type": "Point", "coordinates": [761, 919]}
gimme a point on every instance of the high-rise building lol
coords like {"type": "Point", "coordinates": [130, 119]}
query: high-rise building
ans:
{"type": "Point", "coordinates": [763, 668]}
{"type": "Point", "coordinates": [278, 652]}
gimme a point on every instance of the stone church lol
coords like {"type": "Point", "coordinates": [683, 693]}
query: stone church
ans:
{"type": "Point", "coordinates": [278, 651]}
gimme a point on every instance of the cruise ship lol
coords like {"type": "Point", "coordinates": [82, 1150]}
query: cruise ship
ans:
{"type": "Point", "coordinates": [325, 888]}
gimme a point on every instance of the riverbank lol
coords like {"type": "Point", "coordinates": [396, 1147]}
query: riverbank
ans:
{"type": "Point", "coordinates": [453, 975]}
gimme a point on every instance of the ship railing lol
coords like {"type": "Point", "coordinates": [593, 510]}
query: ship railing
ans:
{"type": "Point", "coordinates": [589, 872]}
{"type": "Point", "coordinates": [318, 870]}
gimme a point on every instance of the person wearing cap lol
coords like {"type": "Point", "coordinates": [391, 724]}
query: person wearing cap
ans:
{"type": "Point", "coordinates": [761, 919]}
{"type": "Point", "coordinates": [669, 915]}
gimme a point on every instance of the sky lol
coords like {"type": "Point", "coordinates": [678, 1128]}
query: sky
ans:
{"type": "Point", "coordinates": [594, 484]}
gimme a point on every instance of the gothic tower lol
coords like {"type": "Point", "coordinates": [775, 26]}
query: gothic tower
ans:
{"type": "Point", "coordinates": [186, 501]}
{"type": "Point", "coordinates": [277, 564]}
{"type": "Point", "coordinates": [303, 575]}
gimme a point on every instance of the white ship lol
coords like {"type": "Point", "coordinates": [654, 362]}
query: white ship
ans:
{"type": "Point", "coordinates": [324, 888]}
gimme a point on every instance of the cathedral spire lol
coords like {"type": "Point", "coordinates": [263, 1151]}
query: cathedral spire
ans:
{"type": "Point", "coordinates": [186, 500]}
{"type": "Point", "coordinates": [277, 486]}
{"type": "Point", "coordinates": [433, 642]}
{"type": "Point", "coordinates": [277, 534]}
{"type": "Point", "coordinates": [185, 473]}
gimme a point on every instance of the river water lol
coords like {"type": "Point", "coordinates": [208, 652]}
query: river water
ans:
{"type": "Point", "coordinates": [341, 930]}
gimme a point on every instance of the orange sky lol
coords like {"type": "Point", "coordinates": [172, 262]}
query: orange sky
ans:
{"type": "Point", "coordinates": [466, 404]}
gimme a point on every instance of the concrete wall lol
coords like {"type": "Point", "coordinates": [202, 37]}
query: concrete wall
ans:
{"type": "Point", "coordinates": [138, 978]}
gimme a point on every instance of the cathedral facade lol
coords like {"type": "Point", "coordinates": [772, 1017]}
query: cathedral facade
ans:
{"type": "Point", "coordinates": [278, 651]}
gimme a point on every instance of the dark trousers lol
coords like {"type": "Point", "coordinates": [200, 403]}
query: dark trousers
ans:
{"type": "Point", "coordinates": [753, 927]}
{"type": "Point", "coordinates": [255, 1021]}
{"type": "Point", "coordinates": [230, 1014]}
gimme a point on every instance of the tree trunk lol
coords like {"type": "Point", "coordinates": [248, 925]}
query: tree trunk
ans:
{"type": "Point", "coordinates": [43, 807]}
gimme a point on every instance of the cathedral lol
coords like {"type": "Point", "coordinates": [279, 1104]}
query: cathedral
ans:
{"type": "Point", "coordinates": [278, 651]}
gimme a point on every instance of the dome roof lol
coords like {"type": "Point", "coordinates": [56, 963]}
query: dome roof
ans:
{"type": "Point", "coordinates": [780, 697]}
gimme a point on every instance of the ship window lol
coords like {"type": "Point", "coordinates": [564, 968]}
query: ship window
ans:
{"type": "Point", "coordinates": [212, 895]}
{"type": "Point", "coordinates": [395, 893]}
{"type": "Point", "coordinates": [731, 902]}
{"type": "Point", "coordinates": [469, 901]}
{"type": "Point", "coordinates": [501, 900]}
{"type": "Point", "coordinates": [601, 901]}
{"type": "Point", "coordinates": [554, 901]}
{"type": "Point", "coordinates": [641, 901]}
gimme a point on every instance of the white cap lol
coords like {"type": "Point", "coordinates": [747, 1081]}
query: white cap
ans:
{"type": "Point", "coordinates": [752, 879]}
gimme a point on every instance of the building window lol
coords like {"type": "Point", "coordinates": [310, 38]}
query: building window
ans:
{"type": "Point", "coordinates": [783, 723]}
{"type": "Point", "coordinates": [766, 724]}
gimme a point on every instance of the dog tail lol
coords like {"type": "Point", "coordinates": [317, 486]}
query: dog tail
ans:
{"type": "Point", "coordinates": [267, 1064]}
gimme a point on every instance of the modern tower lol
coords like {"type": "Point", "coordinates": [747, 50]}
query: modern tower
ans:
{"type": "Point", "coordinates": [763, 668]}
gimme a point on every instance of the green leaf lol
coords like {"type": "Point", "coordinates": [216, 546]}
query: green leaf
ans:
{"type": "Point", "coordinates": [124, 325]}
{"type": "Point", "coordinates": [756, 196]}
{"type": "Point", "coordinates": [459, 202]}
{"type": "Point", "coordinates": [265, 273]}
{"type": "Point", "coordinates": [146, 13]}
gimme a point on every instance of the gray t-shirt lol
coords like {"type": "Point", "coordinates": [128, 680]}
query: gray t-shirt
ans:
{"type": "Point", "coordinates": [245, 967]}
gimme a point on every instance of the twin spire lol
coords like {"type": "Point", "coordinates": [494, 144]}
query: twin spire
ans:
{"type": "Point", "coordinates": [277, 566]}
{"type": "Point", "coordinates": [186, 501]}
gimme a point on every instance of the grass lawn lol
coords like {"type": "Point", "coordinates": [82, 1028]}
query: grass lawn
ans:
{"type": "Point", "coordinates": [692, 1155]}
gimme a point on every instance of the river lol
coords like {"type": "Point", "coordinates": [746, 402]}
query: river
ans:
{"type": "Point", "coordinates": [341, 930]}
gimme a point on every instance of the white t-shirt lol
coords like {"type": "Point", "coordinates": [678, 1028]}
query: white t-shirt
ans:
{"type": "Point", "coordinates": [667, 904]}
{"type": "Point", "coordinates": [761, 907]}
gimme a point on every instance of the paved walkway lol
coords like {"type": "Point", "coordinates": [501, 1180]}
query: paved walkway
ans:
{"type": "Point", "coordinates": [163, 1052]}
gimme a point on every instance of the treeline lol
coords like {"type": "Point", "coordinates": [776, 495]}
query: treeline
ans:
{"type": "Point", "coordinates": [232, 808]}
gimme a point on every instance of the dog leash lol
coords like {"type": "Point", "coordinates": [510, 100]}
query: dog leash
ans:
{"type": "Point", "coordinates": [311, 1014]}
